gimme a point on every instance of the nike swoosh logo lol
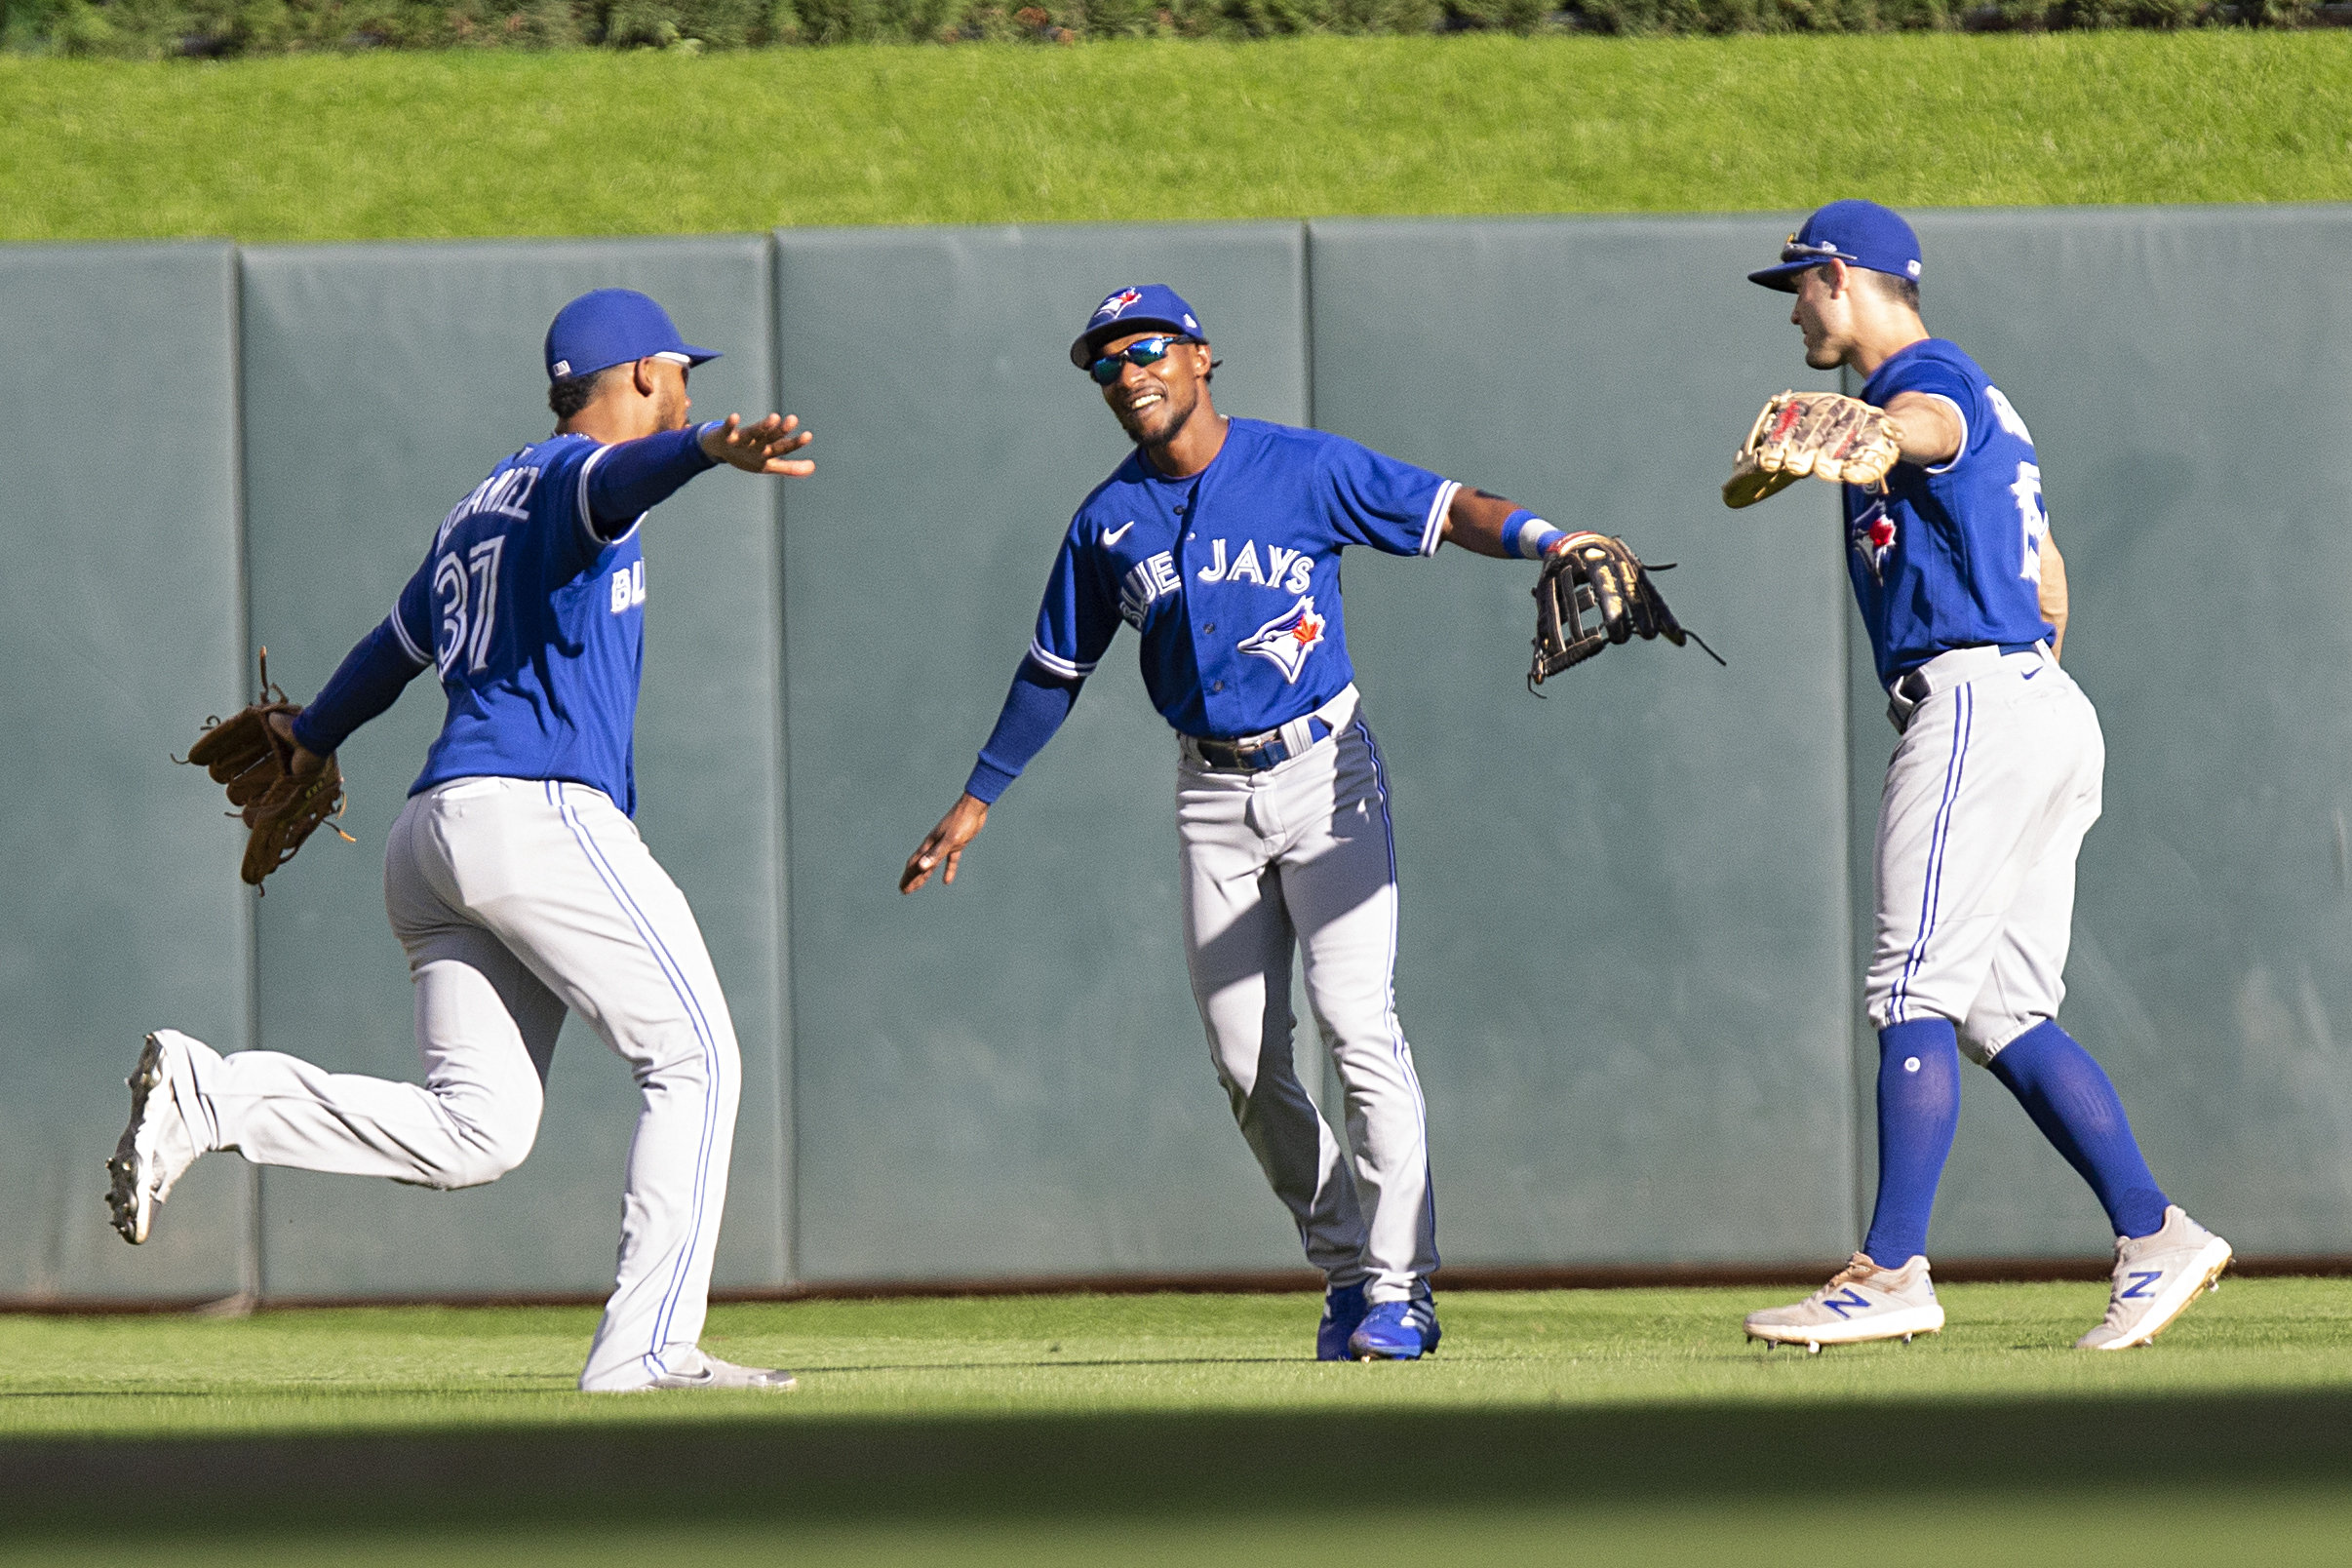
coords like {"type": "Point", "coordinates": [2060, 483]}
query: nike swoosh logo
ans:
{"type": "Point", "coordinates": [1112, 536]}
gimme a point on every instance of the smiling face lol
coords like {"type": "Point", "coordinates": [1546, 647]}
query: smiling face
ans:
{"type": "Point", "coordinates": [1153, 401]}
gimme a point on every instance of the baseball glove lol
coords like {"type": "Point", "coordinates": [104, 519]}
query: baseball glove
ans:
{"type": "Point", "coordinates": [281, 810]}
{"type": "Point", "coordinates": [1841, 439]}
{"type": "Point", "coordinates": [1596, 576]}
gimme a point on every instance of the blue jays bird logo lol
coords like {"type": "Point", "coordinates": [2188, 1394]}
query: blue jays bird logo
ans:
{"type": "Point", "coordinates": [1289, 638]}
{"type": "Point", "coordinates": [1111, 309]}
{"type": "Point", "coordinates": [1874, 536]}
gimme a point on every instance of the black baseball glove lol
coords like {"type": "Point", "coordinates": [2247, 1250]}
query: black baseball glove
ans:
{"type": "Point", "coordinates": [1594, 575]}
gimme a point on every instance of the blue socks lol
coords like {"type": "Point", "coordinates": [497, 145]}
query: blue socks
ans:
{"type": "Point", "coordinates": [2072, 1102]}
{"type": "Point", "coordinates": [1918, 1111]}
{"type": "Point", "coordinates": [2065, 1092]}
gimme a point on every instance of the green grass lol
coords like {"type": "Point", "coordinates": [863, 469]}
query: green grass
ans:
{"type": "Point", "coordinates": [591, 142]}
{"type": "Point", "coordinates": [1558, 1426]}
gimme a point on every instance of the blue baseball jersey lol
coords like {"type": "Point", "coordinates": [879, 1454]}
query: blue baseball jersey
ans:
{"type": "Point", "coordinates": [537, 625]}
{"type": "Point", "coordinates": [1232, 576]}
{"type": "Point", "coordinates": [1951, 556]}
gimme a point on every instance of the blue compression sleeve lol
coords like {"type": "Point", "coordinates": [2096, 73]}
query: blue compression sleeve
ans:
{"type": "Point", "coordinates": [1918, 1112]}
{"type": "Point", "coordinates": [2074, 1104]}
{"type": "Point", "coordinates": [1034, 709]}
{"type": "Point", "coordinates": [634, 477]}
{"type": "Point", "coordinates": [369, 680]}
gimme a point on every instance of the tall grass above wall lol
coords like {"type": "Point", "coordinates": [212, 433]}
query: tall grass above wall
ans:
{"type": "Point", "coordinates": [474, 143]}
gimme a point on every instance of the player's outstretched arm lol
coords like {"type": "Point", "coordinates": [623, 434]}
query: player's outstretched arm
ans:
{"type": "Point", "coordinates": [1930, 428]}
{"type": "Point", "coordinates": [765, 448]}
{"type": "Point", "coordinates": [945, 842]}
{"type": "Point", "coordinates": [1474, 520]}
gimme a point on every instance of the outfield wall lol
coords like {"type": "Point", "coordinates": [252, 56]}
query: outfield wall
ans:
{"type": "Point", "coordinates": [1631, 913]}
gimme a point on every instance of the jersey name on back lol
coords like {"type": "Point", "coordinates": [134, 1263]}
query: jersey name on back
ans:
{"type": "Point", "coordinates": [535, 626]}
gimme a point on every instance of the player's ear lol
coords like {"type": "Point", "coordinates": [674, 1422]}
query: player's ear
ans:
{"type": "Point", "coordinates": [644, 371]}
{"type": "Point", "coordinates": [1835, 275]}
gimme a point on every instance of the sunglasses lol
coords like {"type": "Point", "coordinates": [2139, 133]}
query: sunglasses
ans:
{"type": "Point", "coordinates": [1143, 351]}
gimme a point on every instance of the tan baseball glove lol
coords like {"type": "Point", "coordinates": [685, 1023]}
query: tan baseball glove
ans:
{"type": "Point", "coordinates": [1841, 439]}
{"type": "Point", "coordinates": [281, 808]}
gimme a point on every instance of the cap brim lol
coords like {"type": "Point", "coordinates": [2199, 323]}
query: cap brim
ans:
{"type": "Point", "coordinates": [1783, 277]}
{"type": "Point", "coordinates": [1082, 350]}
{"type": "Point", "coordinates": [698, 355]}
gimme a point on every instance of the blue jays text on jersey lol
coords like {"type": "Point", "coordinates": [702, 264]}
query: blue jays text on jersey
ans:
{"type": "Point", "coordinates": [536, 625]}
{"type": "Point", "coordinates": [1231, 575]}
{"type": "Point", "coordinates": [1951, 556]}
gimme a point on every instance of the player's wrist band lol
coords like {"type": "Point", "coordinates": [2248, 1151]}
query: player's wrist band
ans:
{"type": "Point", "coordinates": [1526, 535]}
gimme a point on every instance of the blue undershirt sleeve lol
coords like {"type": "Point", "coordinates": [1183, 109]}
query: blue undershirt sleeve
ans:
{"type": "Point", "coordinates": [369, 680]}
{"type": "Point", "coordinates": [633, 477]}
{"type": "Point", "coordinates": [1034, 709]}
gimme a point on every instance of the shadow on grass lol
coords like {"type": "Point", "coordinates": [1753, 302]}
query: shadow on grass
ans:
{"type": "Point", "coordinates": [751, 1466]}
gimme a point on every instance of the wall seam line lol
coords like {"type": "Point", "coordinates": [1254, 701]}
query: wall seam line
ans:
{"type": "Point", "coordinates": [252, 1265]}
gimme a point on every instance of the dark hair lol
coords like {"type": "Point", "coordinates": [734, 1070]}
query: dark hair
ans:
{"type": "Point", "coordinates": [1890, 286]}
{"type": "Point", "coordinates": [567, 395]}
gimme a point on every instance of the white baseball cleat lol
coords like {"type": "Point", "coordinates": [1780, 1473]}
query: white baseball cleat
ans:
{"type": "Point", "coordinates": [159, 1144]}
{"type": "Point", "coordinates": [2156, 1277]}
{"type": "Point", "coordinates": [717, 1374]}
{"type": "Point", "coordinates": [1861, 1301]}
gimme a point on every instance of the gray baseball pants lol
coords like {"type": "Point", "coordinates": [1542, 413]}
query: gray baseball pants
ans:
{"type": "Point", "coordinates": [1302, 855]}
{"type": "Point", "coordinates": [517, 900]}
{"type": "Point", "coordinates": [1997, 779]}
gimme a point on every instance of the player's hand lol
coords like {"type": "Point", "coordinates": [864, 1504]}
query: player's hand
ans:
{"type": "Point", "coordinates": [303, 761]}
{"type": "Point", "coordinates": [763, 447]}
{"type": "Point", "coordinates": [946, 842]}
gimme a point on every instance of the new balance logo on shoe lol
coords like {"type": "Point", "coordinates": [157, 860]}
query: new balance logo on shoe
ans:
{"type": "Point", "coordinates": [2144, 1282]}
{"type": "Point", "coordinates": [1847, 1302]}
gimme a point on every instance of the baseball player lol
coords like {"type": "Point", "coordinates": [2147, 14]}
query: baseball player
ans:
{"type": "Point", "coordinates": [1990, 790]}
{"type": "Point", "coordinates": [1218, 540]}
{"type": "Point", "coordinates": [515, 878]}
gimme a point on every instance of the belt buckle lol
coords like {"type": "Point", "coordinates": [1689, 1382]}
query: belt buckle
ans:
{"type": "Point", "coordinates": [1259, 757]}
{"type": "Point", "coordinates": [1234, 755]}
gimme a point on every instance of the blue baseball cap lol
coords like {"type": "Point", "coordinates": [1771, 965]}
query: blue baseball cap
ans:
{"type": "Point", "coordinates": [1860, 234]}
{"type": "Point", "coordinates": [1132, 309]}
{"type": "Point", "coordinates": [607, 327]}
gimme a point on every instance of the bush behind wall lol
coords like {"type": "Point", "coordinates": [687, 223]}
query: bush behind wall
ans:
{"type": "Point", "coordinates": [151, 28]}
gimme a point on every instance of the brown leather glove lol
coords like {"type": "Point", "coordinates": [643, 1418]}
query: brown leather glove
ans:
{"type": "Point", "coordinates": [280, 808]}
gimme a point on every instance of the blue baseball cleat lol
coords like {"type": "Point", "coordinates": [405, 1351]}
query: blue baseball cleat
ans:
{"type": "Point", "coordinates": [1397, 1331]}
{"type": "Point", "coordinates": [1343, 1310]}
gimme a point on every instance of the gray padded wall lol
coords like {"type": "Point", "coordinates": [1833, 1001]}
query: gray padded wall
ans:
{"type": "Point", "coordinates": [1664, 838]}
{"type": "Point", "coordinates": [2188, 374]}
{"type": "Point", "coordinates": [1008, 1076]}
{"type": "Point", "coordinates": [118, 512]}
{"type": "Point", "coordinates": [382, 383]}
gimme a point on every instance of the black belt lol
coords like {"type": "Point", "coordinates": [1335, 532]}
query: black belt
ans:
{"type": "Point", "coordinates": [1252, 756]}
{"type": "Point", "coordinates": [1918, 692]}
